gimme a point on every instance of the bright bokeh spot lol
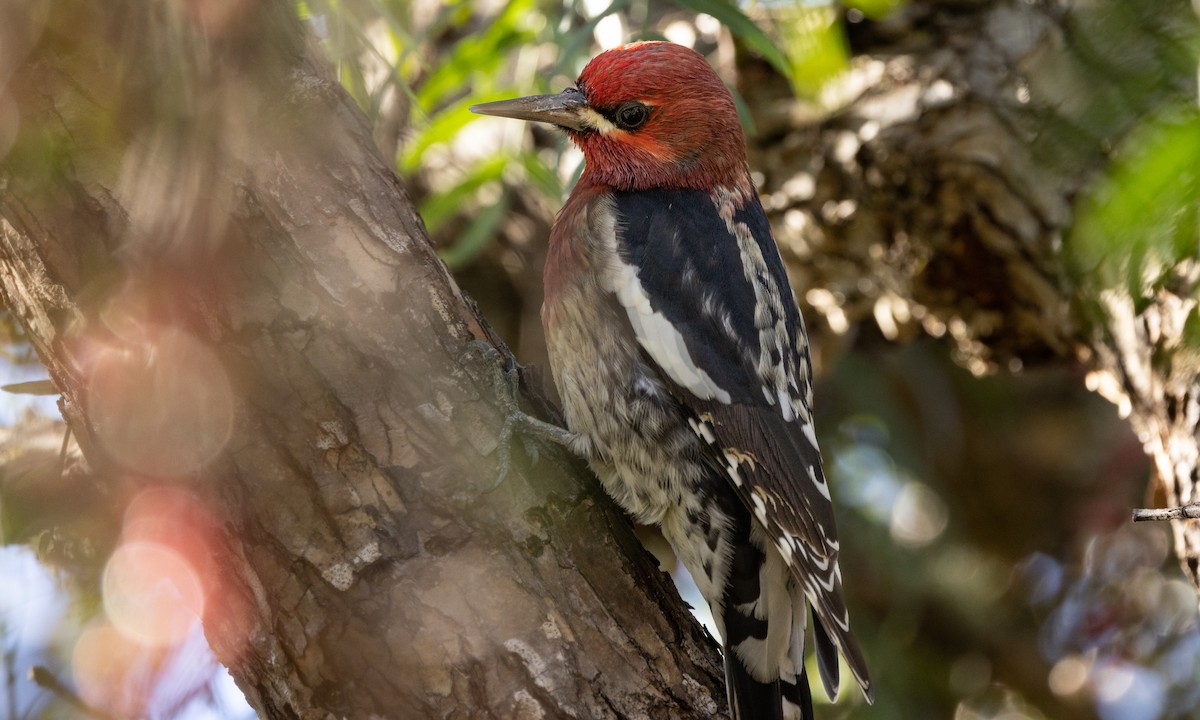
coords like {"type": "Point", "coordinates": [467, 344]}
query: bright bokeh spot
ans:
{"type": "Point", "coordinates": [167, 514]}
{"type": "Point", "coordinates": [174, 518]}
{"type": "Point", "coordinates": [103, 661]}
{"type": "Point", "coordinates": [681, 32]}
{"type": "Point", "coordinates": [918, 515]}
{"type": "Point", "coordinates": [178, 522]}
{"type": "Point", "coordinates": [1069, 675]}
{"type": "Point", "coordinates": [151, 593]}
{"type": "Point", "coordinates": [161, 401]}
{"type": "Point", "coordinates": [33, 611]}
{"type": "Point", "coordinates": [1125, 691]}
{"type": "Point", "coordinates": [610, 32]}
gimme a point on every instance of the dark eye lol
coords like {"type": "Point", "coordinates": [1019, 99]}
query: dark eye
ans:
{"type": "Point", "coordinates": [632, 115]}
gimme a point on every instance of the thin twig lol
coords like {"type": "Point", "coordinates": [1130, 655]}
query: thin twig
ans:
{"type": "Point", "coordinates": [1187, 512]}
{"type": "Point", "coordinates": [62, 453]}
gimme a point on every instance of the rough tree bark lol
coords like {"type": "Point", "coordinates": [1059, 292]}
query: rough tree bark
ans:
{"type": "Point", "coordinates": [234, 296]}
{"type": "Point", "coordinates": [941, 198]}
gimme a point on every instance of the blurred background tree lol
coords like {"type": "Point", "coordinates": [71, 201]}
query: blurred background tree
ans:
{"type": "Point", "coordinates": [989, 212]}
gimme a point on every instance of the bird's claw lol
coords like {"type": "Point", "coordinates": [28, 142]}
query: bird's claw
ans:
{"type": "Point", "coordinates": [507, 384]}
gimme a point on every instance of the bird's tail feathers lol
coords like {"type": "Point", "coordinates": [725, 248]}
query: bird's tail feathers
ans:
{"type": "Point", "coordinates": [793, 676]}
{"type": "Point", "coordinates": [750, 699]}
{"type": "Point", "coordinates": [832, 637]}
{"type": "Point", "coordinates": [827, 658]}
{"type": "Point", "coordinates": [796, 696]}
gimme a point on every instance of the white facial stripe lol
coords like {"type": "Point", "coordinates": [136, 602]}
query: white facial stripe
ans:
{"type": "Point", "coordinates": [595, 120]}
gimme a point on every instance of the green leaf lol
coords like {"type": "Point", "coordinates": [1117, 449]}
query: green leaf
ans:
{"type": "Point", "coordinates": [1140, 220]}
{"type": "Point", "coordinates": [475, 238]}
{"type": "Point", "coordinates": [743, 111]}
{"type": "Point", "coordinates": [542, 176]}
{"type": "Point", "coordinates": [815, 42]}
{"type": "Point", "coordinates": [441, 128]}
{"type": "Point", "coordinates": [440, 207]}
{"type": "Point", "coordinates": [484, 52]}
{"type": "Point", "coordinates": [744, 29]}
{"type": "Point", "coordinates": [874, 9]}
{"type": "Point", "coordinates": [396, 29]}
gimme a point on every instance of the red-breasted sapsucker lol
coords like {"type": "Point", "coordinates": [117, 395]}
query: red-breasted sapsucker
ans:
{"type": "Point", "coordinates": [683, 364]}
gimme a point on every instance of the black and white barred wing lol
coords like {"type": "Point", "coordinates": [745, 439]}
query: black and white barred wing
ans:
{"type": "Point", "coordinates": [765, 477]}
{"type": "Point", "coordinates": [708, 298]}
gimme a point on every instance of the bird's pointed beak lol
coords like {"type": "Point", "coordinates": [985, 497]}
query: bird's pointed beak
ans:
{"type": "Point", "coordinates": [564, 109]}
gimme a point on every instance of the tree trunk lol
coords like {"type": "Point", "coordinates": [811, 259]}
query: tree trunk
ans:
{"type": "Point", "coordinates": [236, 299]}
{"type": "Point", "coordinates": [942, 198]}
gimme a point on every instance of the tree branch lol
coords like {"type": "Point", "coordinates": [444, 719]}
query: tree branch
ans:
{"type": "Point", "coordinates": [1186, 512]}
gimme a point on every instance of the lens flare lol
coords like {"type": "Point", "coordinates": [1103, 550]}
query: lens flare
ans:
{"type": "Point", "coordinates": [177, 519]}
{"type": "Point", "coordinates": [151, 593]}
{"type": "Point", "coordinates": [162, 403]}
{"type": "Point", "coordinates": [105, 664]}
{"type": "Point", "coordinates": [174, 518]}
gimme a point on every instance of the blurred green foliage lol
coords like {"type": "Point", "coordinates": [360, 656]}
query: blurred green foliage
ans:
{"type": "Point", "coordinates": [423, 66]}
{"type": "Point", "coordinates": [815, 44]}
{"type": "Point", "coordinates": [1140, 221]}
{"type": "Point", "coordinates": [746, 30]}
{"type": "Point", "coordinates": [873, 9]}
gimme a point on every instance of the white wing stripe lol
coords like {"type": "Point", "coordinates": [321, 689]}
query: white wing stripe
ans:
{"type": "Point", "coordinates": [810, 435]}
{"type": "Point", "coordinates": [660, 339]}
{"type": "Point", "coordinates": [822, 485]}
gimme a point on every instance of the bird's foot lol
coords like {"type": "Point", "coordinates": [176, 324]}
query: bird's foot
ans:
{"type": "Point", "coordinates": [506, 381]}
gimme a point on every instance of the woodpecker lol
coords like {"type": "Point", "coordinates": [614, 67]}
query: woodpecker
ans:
{"type": "Point", "coordinates": [683, 365]}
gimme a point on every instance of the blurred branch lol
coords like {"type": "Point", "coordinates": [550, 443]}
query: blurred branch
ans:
{"type": "Point", "coordinates": [49, 681]}
{"type": "Point", "coordinates": [1186, 512]}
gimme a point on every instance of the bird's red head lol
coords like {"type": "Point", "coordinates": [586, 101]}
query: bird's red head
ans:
{"type": "Point", "coordinates": [646, 115]}
{"type": "Point", "coordinates": [662, 117]}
